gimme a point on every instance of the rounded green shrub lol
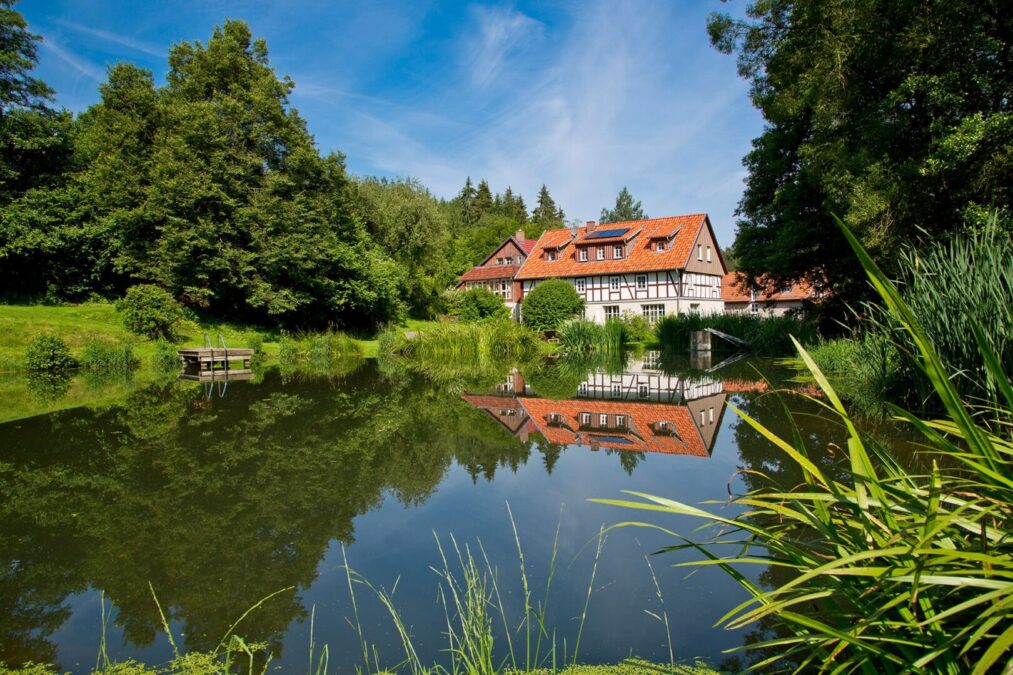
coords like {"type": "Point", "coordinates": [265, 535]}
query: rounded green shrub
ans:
{"type": "Point", "coordinates": [150, 311]}
{"type": "Point", "coordinates": [475, 304]}
{"type": "Point", "coordinates": [48, 352]}
{"type": "Point", "coordinates": [549, 304]}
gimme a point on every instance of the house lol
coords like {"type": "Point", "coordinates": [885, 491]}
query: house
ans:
{"type": "Point", "coordinates": [650, 267]}
{"type": "Point", "coordinates": [498, 271]}
{"type": "Point", "coordinates": [769, 301]}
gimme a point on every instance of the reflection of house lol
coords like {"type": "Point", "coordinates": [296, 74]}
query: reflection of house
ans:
{"type": "Point", "coordinates": [497, 272]}
{"type": "Point", "coordinates": [769, 301]}
{"type": "Point", "coordinates": [624, 425]}
{"type": "Point", "coordinates": [649, 267]}
{"type": "Point", "coordinates": [639, 410]}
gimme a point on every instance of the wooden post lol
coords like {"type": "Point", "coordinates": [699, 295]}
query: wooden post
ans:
{"type": "Point", "coordinates": [700, 341]}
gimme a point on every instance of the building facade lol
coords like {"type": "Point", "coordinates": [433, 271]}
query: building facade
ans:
{"type": "Point", "coordinates": [498, 271]}
{"type": "Point", "coordinates": [769, 301]}
{"type": "Point", "coordinates": [646, 267]}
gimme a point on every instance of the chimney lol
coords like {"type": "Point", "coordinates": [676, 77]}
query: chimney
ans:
{"type": "Point", "coordinates": [519, 235]}
{"type": "Point", "coordinates": [591, 225]}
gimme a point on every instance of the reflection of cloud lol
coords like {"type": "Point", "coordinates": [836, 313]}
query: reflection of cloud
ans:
{"type": "Point", "coordinates": [81, 66]}
{"type": "Point", "coordinates": [116, 38]}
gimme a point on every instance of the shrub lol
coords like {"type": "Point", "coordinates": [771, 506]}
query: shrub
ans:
{"type": "Point", "coordinates": [102, 356]}
{"type": "Point", "coordinates": [638, 329]}
{"type": "Point", "coordinates": [165, 357]}
{"type": "Point", "coordinates": [256, 343]}
{"type": "Point", "coordinates": [150, 311]}
{"type": "Point", "coordinates": [475, 304]}
{"type": "Point", "coordinates": [48, 352]}
{"type": "Point", "coordinates": [551, 303]}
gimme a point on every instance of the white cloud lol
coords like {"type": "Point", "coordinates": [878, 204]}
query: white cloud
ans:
{"type": "Point", "coordinates": [75, 62]}
{"type": "Point", "coordinates": [116, 38]}
{"type": "Point", "coordinates": [501, 31]}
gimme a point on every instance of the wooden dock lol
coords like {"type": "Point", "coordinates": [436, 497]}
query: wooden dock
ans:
{"type": "Point", "coordinates": [211, 360]}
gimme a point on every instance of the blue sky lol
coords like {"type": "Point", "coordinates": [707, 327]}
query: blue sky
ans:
{"type": "Point", "coordinates": [583, 96]}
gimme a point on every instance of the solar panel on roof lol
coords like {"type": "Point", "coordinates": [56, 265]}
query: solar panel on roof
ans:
{"type": "Point", "coordinates": [602, 234]}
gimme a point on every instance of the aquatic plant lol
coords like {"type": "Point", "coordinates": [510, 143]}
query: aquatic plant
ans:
{"type": "Point", "coordinates": [108, 357]}
{"type": "Point", "coordinates": [480, 340]}
{"type": "Point", "coordinates": [889, 571]}
{"type": "Point", "coordinates": [766, 335]}
{"type": "Point", "coordinates": [582, 335]}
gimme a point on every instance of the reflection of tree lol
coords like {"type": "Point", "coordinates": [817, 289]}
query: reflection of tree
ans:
{"type": "Point", "coordinates": [216, 503]}
{"type": "Point", "coordinates": [551, 452]}
{"type": "Point", "coordinates": [48, 387]}
{"type": "Point", "coordinates": [628, 459]}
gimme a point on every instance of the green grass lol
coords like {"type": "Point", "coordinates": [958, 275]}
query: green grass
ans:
{"type": "Point", "coordinates": [767, 336]}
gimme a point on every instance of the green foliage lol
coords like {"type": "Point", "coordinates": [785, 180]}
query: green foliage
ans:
{"type": "Point", "coordinates": [546, 213]}
{"type": "Point", "coordinates": [583, 335]}
{"type": "Point", "coordinates": [892, 114]}
{"type": "Point", "coordinates": [638, 328]}
{"type": "Point", "coordinates": [478, 303]}
{"type": "Point", "coordinates": [165, 358]}
{"type": "Point", "coordinates": [549, 304]}
{"type": "Point", "coordinates": [625, 209]}
{"type": "Point", "coordinates": [888, 569]}
{"type": "Point", "coordinates": [150, 311]}
{"type": "Point", "coordinates": [48, 352]}
{"type": "Point", "coordinates": [767, 336]}
{"type": "Point", "coordinates": [476, 346]}
{"type": "Point", "coordinates": [108, 357]}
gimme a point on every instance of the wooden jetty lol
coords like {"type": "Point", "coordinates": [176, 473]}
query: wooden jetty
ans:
{"type": "Point", "coordinates": [209, 360]}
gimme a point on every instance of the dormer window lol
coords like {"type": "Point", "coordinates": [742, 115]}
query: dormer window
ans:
{"type": "Point", "coordinates": [617, 251]}
{"type": "Point", "coordinates": [601, 253]}
{"type": "Point", "coordinates": [583, 255]}
{"type": "Point", "coordinates": [550, 255]}
{"type": "Point", "coordinates": [585, 419]}
{"type": "Point", "coordinates": [660, 246]}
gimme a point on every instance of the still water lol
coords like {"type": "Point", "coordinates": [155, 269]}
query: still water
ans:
{"type": "Point", "coordinates": [217, 495]}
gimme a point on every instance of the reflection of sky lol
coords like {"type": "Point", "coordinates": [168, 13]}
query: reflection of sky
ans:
{"type": "Point", "coordinates": [395, 544]}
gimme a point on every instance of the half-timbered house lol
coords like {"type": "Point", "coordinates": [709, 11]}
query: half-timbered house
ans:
{"type": "Point", "coordinates": [498, 271]}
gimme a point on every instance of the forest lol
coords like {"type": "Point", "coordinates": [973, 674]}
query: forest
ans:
{"type": "Point", "coordinates": [211, 186]}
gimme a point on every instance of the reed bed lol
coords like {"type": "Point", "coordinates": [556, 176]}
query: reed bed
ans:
{"type": "Point", "coordinates": [767, 336]}
{"type": "Point", "coordinates": [882, 571]}
{"type": "Point", "coordinates": [582, 335]}
{"type": "Point", "coordinates": [484, 340]}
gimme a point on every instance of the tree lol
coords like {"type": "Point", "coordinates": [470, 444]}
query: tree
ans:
{"type": "Point", "coordinates": [483, 199]}
{"type": "Point", "coordinates": [549, 304]}
{"type": "Point", "coordinates": [894, 115]}
{"type": "Point", "coordinates": [18, 56]}
{"type": "Point", "coordinates": [466, 204]}
{"type": "Point", "coordinates": [478, 303]}
{"type": "Point", "coordinates": [624, 210]}
{"type": "Point", "coordinates": [546, 214]}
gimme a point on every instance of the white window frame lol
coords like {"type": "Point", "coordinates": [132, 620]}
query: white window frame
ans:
{"type": "Point", "coordinates": [603, 420]}
{"type": "Point", "coordinates": [601, 253]}
{"type": "Point", "coordinates": [580, 285]}
{"type": "Point", "coordinates": [499, 261]}
{"type": "Point", "coordinates": [643, 391]}
{"type": "Point", "coordinates": [621, 421]}
{"type": "Point", "coordinates": [660, 246]}
{"type": "Point", "coordinates": [653, 312]}
{"type": "Point", "coordinates": [615, 284]}
{"type": "Point", "coordinates": [617, 389]}
{"type": "Point", "coordinates": [641, 278]}
{"type": "Point", "coordinates": [509, 260]}
{"type": "Point", "coordinates": [611, 314]}
{"type": "Point", "coordinates": [583, 256]}
{"type": "Point", "coordinates": [708, 254]}
{"type": "Point", "coordinates": [582, 389]}
{"type": "Point", "coordinates": [585, 419]}
{"type": "Point", "coordinates": [699, 251]}
{"type": "Point", "coordinates": [617, 251]}
{"type": "Point", "coordinates": [550, 256]}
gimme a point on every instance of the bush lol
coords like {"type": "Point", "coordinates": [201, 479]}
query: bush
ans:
{"type": "Point", "coordinates": [475, 304]}
{"type": "Point", "coordinates": [165, 357]}
{"type": "Point", "coordinates": [150, 311]}
{"type": "Point", "coordinates": [102, 356]}
{"type": "Point", "coordinates": [551, 303]}
{"type": "Point", "coordinates": [256, 343]}
{"type": "Point", "coordinates": [638, 329]}
{"type": "Point", "coordinates": [767, 336]}
{"type": "Point", "coordinates": [48, 352]}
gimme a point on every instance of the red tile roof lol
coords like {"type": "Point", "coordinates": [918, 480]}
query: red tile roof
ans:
{"type": "Point", "coordinates": [479, 273]}
{"type": "Point", "coordinates": [733, 289]}
{"type": "Point", "coordinates": [639, 255]}
{"type": "Point", "coordinates": [641, 433]}
{"type": "Point", "coordinates": [527, 244]}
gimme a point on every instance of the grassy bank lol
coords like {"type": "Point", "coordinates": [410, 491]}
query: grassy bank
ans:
{"type": "Point", "coordinates": [767, 336]}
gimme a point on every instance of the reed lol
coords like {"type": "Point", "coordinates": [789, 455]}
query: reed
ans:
{"type": "Point", "coordinates": [889, 572]}
{"type": "Point", "coordinates": [483, 340]}
{"type": "Point", "coordinates": [767, 336]}
{"type": "Point", "coordinates": [108, 357]}
{"type": "Point", "coordinates": [582, 335]}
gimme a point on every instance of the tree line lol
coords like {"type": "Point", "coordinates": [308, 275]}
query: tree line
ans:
{"type": "Point", "coordinates": [211, 187]}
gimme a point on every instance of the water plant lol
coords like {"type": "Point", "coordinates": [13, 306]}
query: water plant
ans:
{"type": "Point", "coordinates": [481, 341]}
{"type": "Point", "coordinates": [888, 571]}
{"type": "Point", "coordinates": [767, 336]}
{"type": "Point", "coordinates": [108, 357]}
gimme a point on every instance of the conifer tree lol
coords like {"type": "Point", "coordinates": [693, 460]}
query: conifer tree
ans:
{"type": "Point", "coordinates": [625, 209]}
{"type": "Point", "coordinates": [483, 199]}
{"type": "Point", "coordinates": [546, 214]}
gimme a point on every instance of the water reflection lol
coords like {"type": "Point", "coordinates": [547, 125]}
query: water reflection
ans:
{"type": "Point", "coordinates": [220, 500]}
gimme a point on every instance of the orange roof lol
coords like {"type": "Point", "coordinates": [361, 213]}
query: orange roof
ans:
{"type": "Point", "coordinates": [642, 432]}
{"type": "Point", "coordinates": [479, 273]}
{"type": "Point", "coordinates": [733, 289]}
{"type": "Point", "coordinates": [527, 244]}
{"type": "Point", "coordinates": [639, 255]}
{"type": "Point", "coordinates": [506, 410]}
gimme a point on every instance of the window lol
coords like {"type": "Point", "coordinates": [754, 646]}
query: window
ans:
{"type": "Point", "coordinates": [786, 290]}
{"type": "Point", "coordinates": [703, 420]}
{"type": "Point", "coordinates": [550, 255]}
{"type": "Point", "coordinates": [708, 254]}
{"type": "Point", "coordinates": [754, 308]}
{"type": "Point", "coordinates": [710, 414]}
{"type": "Point", "coordinates": [507, 289]}
{"type": "Point", "coordinates": [581, 285]}
{"type": "Point", "coordinates": [715, 292]}
{"type": "Point", "coordinates": [499, 261]}
{"type": "Point", "coordinates": [613, 283]}
{"type": "Point", "coordinates": [641, 282]}
{"type": "Point", "coordinates": [585, 419]}
{"type": "Point", "coordinates": [510, 261]}
{"type": "Point", "coordinates": [699, 252]}
{"type": "Point", "coordinates": [582, 390]}
{"type": "Point", "coordinates": [617, 251]}
{"type": "Point", "coordinates": [643, 391]}
{"type": "Point", "coordinates": [601, 253]}
{"type": "Point", "coordinates": [583, 255]}
{"type": "Point", "coordinates": [694, 307]}
{"type": "Point", "coordinates": [603, 420]}
{"type": "Point", "coordinates": [611, 312]}
{"type": "Point", "coordinates": [660, 246]}
{"type": "Point", "coordinates": [652, 312]}
{"type": "Point", "coordinates": [617, 390]}
{"type": "Point", "coordinates": [620, 420]}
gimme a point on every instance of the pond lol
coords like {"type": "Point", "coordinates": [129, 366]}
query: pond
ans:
{"type": "Point", "coordinates": [216, 495]}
